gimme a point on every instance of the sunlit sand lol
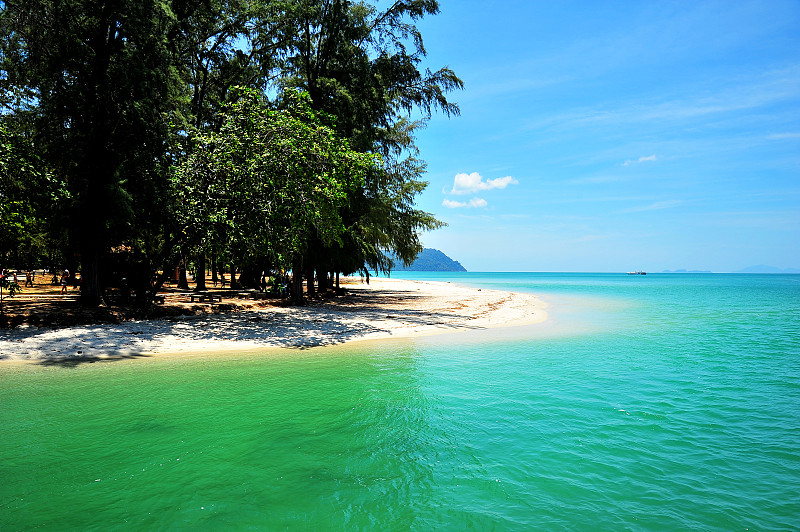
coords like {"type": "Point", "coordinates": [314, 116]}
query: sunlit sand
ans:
{"type": "Point", "coordinates": [385, 308]}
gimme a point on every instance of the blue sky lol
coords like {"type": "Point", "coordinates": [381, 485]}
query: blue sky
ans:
{"type": "Point", "coordinates": [612, 136]}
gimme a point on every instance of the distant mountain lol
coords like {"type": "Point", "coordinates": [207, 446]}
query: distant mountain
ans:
{"type": "Point", "coordinates": [431, 260]}
{"type": "Point", "coordinates": [763, 268]}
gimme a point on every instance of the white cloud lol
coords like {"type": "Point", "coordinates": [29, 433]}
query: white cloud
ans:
{"type": "Point", "coordinates": [470, 183]}
{"type": "Point", "coordinates": [639, 160]}
{"type": "Point", "coordinates": [474, 202]}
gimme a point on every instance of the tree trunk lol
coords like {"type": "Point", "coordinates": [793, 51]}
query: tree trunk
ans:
{"type": "Point", "coordinates": [90, 227]}
{"type": "Point", "coordinates": [297, 281]}
{"type": "Point", "coordinates": [322, 280]}
{"type": "Point", "coordinates": [91, 291]}
{"type": "Point", "coordinates": [310, 286]}
{"type": "Point", "coordinates": [234, 280]}
{"type": "Point", "coordinates": [214, 277]}
{"type": "Point", "coordinates": [200, 278]}
{"type": "Point", "coordinates": [183, 282]}
{"type": "Point", "coordinates": [324, 276]}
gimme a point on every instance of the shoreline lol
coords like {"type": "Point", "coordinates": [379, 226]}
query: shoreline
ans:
{"type": "Point", "coordinates": [385, 309]}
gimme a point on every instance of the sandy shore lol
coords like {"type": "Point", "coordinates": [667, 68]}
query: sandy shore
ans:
{"type": "Point", "coordinates": [386, 308]}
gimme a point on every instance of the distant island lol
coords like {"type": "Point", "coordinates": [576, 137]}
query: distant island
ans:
{"type": "Point", "coordinates": [431, 260]}
{"type": "Point", "coordinates": [762, 268]}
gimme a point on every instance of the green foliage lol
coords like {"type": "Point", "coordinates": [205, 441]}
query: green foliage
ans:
{"type": "Point", "coordinates": [356, 64]}
{"type": "Point", "coordinates": [269, 181]}
{"type": "Point", "coordinates": [29, 199]}
{"type": "Point", "coordinates": [7, 283]}
{"type": "Point", "coordinates": [143, 125]}
{"type": "Point", "coordinates": [362, 66]}
{"type": "Point", "coordinates": [98, 85]}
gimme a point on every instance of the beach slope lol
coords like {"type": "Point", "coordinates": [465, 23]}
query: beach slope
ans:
{"type": "Point", "coordinates": [385, 308]}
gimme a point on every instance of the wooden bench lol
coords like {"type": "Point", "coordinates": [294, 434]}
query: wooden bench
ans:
{"type": "Point", "coordinates": [206, 296]}
{"type": "Point", "coordinates": [246, 294]}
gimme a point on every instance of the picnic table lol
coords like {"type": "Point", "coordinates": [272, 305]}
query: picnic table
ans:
{"type": "Point", "coordinates": [205, 297]}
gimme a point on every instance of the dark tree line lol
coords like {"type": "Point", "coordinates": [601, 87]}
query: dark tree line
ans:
{"type": "Point", "coordinates": [265, 135]}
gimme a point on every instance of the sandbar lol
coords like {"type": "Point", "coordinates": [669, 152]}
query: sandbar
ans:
{"type": "Point", "coordinates": [384, 308]}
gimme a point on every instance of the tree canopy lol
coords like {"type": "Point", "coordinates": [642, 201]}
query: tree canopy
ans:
{"type": "Point", "coordinates": [264, 135]}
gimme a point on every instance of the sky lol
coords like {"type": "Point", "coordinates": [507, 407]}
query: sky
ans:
{"type": "Point", "coordinates": [615, 136]}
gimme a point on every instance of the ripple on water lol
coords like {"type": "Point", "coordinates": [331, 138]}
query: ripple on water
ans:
{"type": "Point", "coordinates": [680, 412]}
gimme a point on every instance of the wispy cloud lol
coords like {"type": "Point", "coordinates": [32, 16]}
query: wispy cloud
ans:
{"type": "Point", "coordinates": [595, 180]}
{"type": "Point", "coordinates": [474, 182]}
{"type": "Point", "coordinates": [782, 136]}
{"type": "Point", "coordinates": [639, 160]}
{"type": "Point", "coordinates": [734, 97]}
{"type": "Point", "coordinates": [657, 206]}
{"type": "Point", "coordinates": [473, 203]}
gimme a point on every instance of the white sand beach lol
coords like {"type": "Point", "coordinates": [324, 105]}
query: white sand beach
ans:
{"type": "Point", "coordinates": [385, 308]}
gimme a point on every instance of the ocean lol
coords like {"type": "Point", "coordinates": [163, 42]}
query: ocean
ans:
{"type": "Point", "coordinates": [657, 402]}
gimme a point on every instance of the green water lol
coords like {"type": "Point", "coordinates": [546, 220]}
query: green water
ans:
{"type": "Point", "coordinates": [655, 403]}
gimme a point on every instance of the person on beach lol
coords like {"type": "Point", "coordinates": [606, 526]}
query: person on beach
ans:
{"type": "Point", "coordinates": [64, 278]}
{"type": "Point", "coordinates": [29, 279]}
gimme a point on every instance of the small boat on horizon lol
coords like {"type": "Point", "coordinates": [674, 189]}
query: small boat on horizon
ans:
{"type": "Point", "coordinates": [637, 273]}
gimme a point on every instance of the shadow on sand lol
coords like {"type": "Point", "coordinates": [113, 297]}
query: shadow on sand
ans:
{"type": "Point", "coordinates": [321, 324]}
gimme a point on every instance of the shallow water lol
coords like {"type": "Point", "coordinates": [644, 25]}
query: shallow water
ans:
{"type": "Point", "coordinates": [645, 403]}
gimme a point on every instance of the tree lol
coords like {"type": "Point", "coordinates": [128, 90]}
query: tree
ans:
{"type": "Point", "coordinates": [97, 78]}
{"type": "Point", "coordinates": [110, 96]}
{"type": "Point", "coordinates": [271, 181]}
{"type": "Point", "coordinates": [362, 65]}
{"type": "Point", "coordinates": [221, 44]}
{"type": "Point", "coordinates": [30, 197]}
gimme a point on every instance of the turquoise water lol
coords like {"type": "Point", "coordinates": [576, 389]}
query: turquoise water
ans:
{"type": "Point", "coordinates": [658, 402]}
